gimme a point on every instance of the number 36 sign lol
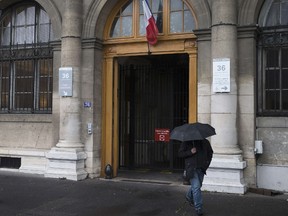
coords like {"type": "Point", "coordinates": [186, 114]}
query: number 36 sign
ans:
{"type": "Point", "coordinates": [221, 75]}
{"type": "Point", "coordinates": [65, 81]}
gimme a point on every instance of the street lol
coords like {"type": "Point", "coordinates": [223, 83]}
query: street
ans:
{"type": "Point", "coordinates": [27, 195]}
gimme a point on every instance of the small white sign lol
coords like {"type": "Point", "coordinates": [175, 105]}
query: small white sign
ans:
{"type": "Point", "coordinates": [221, 75]}
{"type": "Point", "coordinates": [65, 81]}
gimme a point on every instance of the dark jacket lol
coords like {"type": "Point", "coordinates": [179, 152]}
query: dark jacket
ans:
{"type": "Point", "coordinates": [200, 160]}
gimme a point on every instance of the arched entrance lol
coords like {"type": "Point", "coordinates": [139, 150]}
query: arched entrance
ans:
{"type": "Point", "coordinates": [140, 89]}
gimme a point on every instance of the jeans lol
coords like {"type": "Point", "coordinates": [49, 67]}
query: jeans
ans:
{"type": "Point", "coordinates": [194, 192]}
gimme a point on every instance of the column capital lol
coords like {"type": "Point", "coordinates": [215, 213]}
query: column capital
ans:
{"type": "Point", "coordinates": [248, 32]}
{"type": "Point", "coordinates": [203, 34]}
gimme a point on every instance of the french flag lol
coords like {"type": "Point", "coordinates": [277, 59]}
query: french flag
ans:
{"type": "Point", "coordinates": [151, 28]}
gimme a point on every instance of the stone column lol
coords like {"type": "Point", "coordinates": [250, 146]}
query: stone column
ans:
{"type": "Point", "coordinates": [66, 160]}
{"type": "Point", "coordinates": [226, 172]}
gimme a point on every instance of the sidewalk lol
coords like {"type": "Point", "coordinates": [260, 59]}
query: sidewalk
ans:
{"type": "Point", "coordinates": [23, 195]}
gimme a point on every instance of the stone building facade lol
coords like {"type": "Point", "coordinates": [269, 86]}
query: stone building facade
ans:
{"type": "Point", "coordinates": [80, 87]}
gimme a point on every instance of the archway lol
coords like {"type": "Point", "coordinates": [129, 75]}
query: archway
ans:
{"type": "Point", "coordinates": [117, 48]}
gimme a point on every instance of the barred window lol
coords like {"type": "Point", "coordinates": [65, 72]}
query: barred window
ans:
{"type": "Point", "coordinates": [25, 60]}
{"type": "Point", "coordinates": [272, 61]}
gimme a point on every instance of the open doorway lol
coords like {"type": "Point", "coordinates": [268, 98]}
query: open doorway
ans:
{"type": "Point", "coordinates": [153, 95]}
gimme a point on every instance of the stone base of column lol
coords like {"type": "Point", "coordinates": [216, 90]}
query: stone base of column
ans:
{"type": "Point", "coordinates": [66, 163]}
{"type": "Point", "coordinates": [225, 174]}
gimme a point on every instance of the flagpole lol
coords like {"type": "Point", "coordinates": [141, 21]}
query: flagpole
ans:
{"type": "Point", "coordinates": [151, 28]}
{"type": "Point", "coordinates": [149, 52]}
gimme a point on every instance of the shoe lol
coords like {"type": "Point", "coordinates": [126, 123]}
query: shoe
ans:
{"type": "Point", "coordinates": [199, 212]}
{"type": "Point", "coordinates": [191, 202]}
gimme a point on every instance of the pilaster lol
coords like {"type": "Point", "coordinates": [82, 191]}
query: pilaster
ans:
{"type": "Point", "coordinates": [66, 160]}
{"type": "Point", "coordinates": [226, 171]}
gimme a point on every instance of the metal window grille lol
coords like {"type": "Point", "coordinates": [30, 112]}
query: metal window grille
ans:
{"type": "Point", "coordinates": [26, 76]}
{"type": "Point", "coordinates": [10, 162]}
{"type": "Point", "coordinates": [26, 60]}
{"type": "Point", "coordinates": [273, 72]}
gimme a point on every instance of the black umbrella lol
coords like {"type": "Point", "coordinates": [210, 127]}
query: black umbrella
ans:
{"type": "Point", "coordinates": [193, 131]}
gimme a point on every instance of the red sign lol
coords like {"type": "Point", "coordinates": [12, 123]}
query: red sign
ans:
{"type": "Point", "coordinates": [162, 135]}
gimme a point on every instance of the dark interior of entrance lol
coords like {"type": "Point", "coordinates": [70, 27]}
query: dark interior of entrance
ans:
{"type": "Point", "coordinates": [153, 97]}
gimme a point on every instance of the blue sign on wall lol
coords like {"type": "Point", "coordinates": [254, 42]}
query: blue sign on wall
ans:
{"type": "Point", "coordinates": [87, 104]}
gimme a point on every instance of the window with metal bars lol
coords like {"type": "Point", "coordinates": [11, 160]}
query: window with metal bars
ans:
{"type": "Point", "coordinates": [272, 61]}
{"type": "Point", "coordinates": [26, 70]}
{"type": "Point", "coordinates": [10, 162]}
{"type": "Point", "coordinates": [273, 74]}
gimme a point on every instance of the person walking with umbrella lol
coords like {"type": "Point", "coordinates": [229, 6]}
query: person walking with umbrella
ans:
{"type": "Point", "coordinates": [198, 153]}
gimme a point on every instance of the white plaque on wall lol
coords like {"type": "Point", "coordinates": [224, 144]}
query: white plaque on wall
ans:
{"type": "Point", "coordinates": [221, 75]}
{"type": "Point", "coordinates": [65, 81]}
